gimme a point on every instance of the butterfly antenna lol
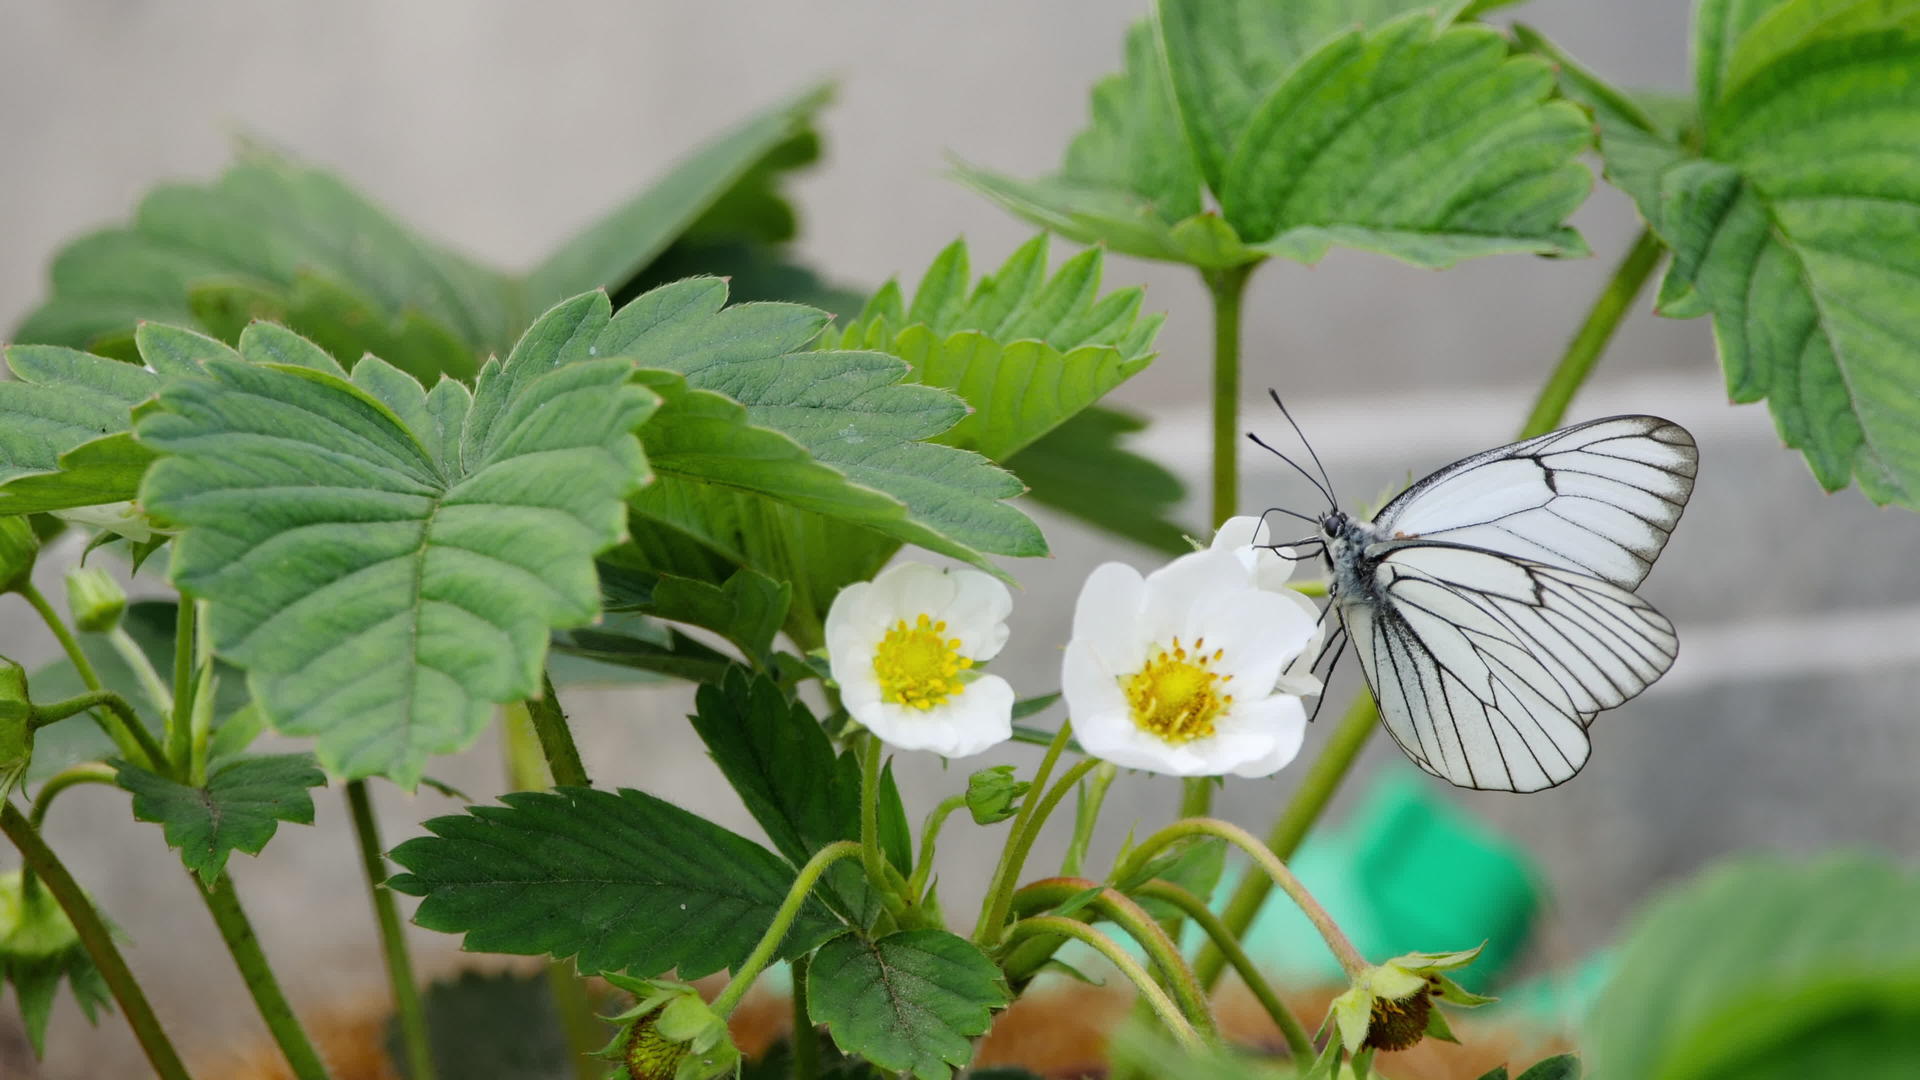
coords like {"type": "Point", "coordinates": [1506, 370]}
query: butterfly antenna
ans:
{"type": "Point", "coordinates": [1264, 445]}
{"type": "Point", "coordinates": [1275, 395]}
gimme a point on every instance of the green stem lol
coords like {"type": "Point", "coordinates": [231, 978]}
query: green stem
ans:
{"type": "Point", "coordinates": [1121, 910]}
{"type": "Point", "coordinates": [1350, 959]}
{"type": "Point", "coordinates": [1226, 288]}
{"type": "Point", "coordinates": [1086, 814]}
{"type": "Point", "coordinates": [1026, 829]}
{"type": "Point", "coordinates": [584, 1032]}
{"type": "Point", "coordinates": [929, 836]}
{"type": "Point", "coordinates": [556, 738]}
{"type": "Point", "coordinates": [136, 658]}
{"type": "Point", "coordinates": [1615, 300]}
{"type": "Point", "coordinates": [1299, 1043]}
{"type": "Point", "coordinates": [123, 736]}
{"type": "Point", "coordinates": [180, 720]}
{"type": "Point", "coordinates": [1575, 365]}
{"type": "Point", "coordinates": [1034, 793]}
{"type": "Point", "coordinates": [1156, 998]}
{"type": "Point", "coordinates": [729, 997]}
{"type": "Point", "coordinates": [244, 944]}
{"type": "Point", "coordinates": [133, 739]}
{"type": "Point", "coordinates": [90, 772]}
{"type": "Point", "coordinates": [805, 1041]}
{"type": "Point", "coordinates": [200, 723]}
{"type": "Point", "coordinates": [393, 938]}
{"type": "Point", "coordinates": [97, 939]}
{"type": "Point", "coordinates": [872, 860]}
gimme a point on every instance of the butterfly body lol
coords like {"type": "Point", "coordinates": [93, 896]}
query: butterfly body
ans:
{"type": "Point", "coordinates": [1491, 603]}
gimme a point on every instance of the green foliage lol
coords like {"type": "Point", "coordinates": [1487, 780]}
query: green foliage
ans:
{"type": "Point", "coordinates": [279, 240]}
{"type": "Point", "coordinates": [1410, 137]}
{"type": "Point", "coordinates": [500, 1026]}
{"type": "Point", "coordinates": [1558, 1067]}
{"type": "Point", "coordinates": [1790, 205]}
{"type": "Point", "coordinates": [239, 808]}
{"type": "Point", "coordinates": [1768, 968]}
{"type": "Point", "coordinates": [441, 535]}
{"type": "Point", "coordinates": [746, 609]}
{"type": "Point", "coordinates": [39, 950]}
{"type": "Point", "coordinates": [619, 882]}
{"type": "Point", "coordinates": [779, 761]}
{"type": "Point", "coordinates": [64, 418]}
{"type": "Point", "coordinates": [908, 1002]}
{"type": "Point", "coordinates": [1082, 469]}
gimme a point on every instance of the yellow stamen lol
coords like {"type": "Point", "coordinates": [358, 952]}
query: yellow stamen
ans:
{"type": "Point", "coordinates": [919, 666]}
{"type": "Point", "coordinates": [1177, 695]}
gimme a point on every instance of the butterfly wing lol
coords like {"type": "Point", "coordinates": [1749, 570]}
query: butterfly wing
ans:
{"type": "Point", "coordinates": [1599, 498]}
{"type": "Point", "coordinates": [1488, 668]}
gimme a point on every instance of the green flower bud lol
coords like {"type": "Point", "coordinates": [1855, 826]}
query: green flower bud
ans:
{"type": "Point", "coordinates": [1391, 1007]}
{"type": "Point", "coordinates": [95, 599]}
{"type": "Point", "coordinates": [39, 949]}
{"type": "Point", "coordinates": [18, 548]}
{"type": "Point", "coordinates": [16, 726]}
{"type": "Point", "coordinates": [991, 794]}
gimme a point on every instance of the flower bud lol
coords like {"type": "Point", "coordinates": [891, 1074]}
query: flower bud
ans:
{"type": "Point", "coordinates": [16, 726]}
{"type": "Point", "coordinates": [18, 547]}
{"type": "Point", "coordinates": [95, 599]}
{"type": "Point", "coordinates": [991, 794]}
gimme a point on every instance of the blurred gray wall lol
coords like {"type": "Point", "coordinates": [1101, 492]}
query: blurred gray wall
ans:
{"type": "Point", "coordinates": [499, 127]}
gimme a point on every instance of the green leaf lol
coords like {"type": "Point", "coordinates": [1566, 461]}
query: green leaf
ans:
{"type": "Point", "coordinates": [1766, 969]}
{"type": "Point", "coordinates": [1024, 351]}
{"type": "Point", "coordinates": [747, 609]}
{"type": "Point", "coordinates": [831, 432]}
{"type": "Point", "coordinates": [620, 882]}
{"type": "Point", "coordinates": [1082, 469]}
{"type": "Point", "coordinates": [1461, 151]}
{"type": "Point", "coordinates": [1558, 1067]}
{"type": "Point", "coordinates": [641, 644]}
{"type": "Point", "coordinates": [707, 184]}
{"type": "Point", "coordinates": [775, 755]}
{"type": "Point", "coordinates": [64, 420]}
{"type": "Point", "coordinates": [908, 1002]}
{"type": "Point", "coordinates": [386, 563]}
{"type": "Point", "coordinates": [239, 808]}
{"type": "Point", "coordinates": [1794, 219]}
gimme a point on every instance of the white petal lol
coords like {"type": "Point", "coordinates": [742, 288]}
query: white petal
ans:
{"type": "Point", "coordinates": [1236, 532]}
{"type": "Point", "coordinates": [1257, 632]}
{"type": "Point", "coordinates": [1090, 686]}
{"type": "Point", "coordinates": [1107, 615]}
{"type": "Point", "coordinates": [1174, 590]}
{"type": "Point", "coordinates": [981, 718]}
{"type": "Point", "coordinates": [910, 589]}
{"type": "Point", "coordinates": [1283, 720]}
{"type": "Point", "coordinates": [977, 615]}
{"type": "Point", "coordinates": [851, 635]}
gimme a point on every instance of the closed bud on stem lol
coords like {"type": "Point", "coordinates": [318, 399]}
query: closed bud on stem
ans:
{"type": "Point", "coordinates": [16, 726]}
{"type": "Point", "coordinates": [669, 1034]}
{"type": "Point", "coordinates": [18, 548]}
{"type": "Point", "coordinates": [95, 599]}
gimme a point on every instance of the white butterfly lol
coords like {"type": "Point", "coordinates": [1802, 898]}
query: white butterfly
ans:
{"type": "Point", "coordinates": [1491, 603]}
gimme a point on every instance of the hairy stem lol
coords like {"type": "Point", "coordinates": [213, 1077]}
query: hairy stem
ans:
{"type": "Point", "coordinates": [119, 728]}
{"type": "Point", "coordinates": [136, 658]}
{"type": "Point", "coordinates": [1226, 288]}
{"type": "Point", "coordinates": [98, 941]}
{"type": "Point", "coordinates": [729, 997]}
{"type": "Point", "coordinates": [556, 738]}
{"type": "Point", "coordinates": [244, 944]}
{"type": "Point", "coordinates": [1299, 1043]}
{"type": "Point", "coordinates": [133, 739]}
{"type": "Point", "coordinates": [185, 689]}
{"type": "Point", "coordinates": [1034, 793]}
{"type": "Point", "coordinates": [1121, 910]}
{"type": "Point", "coordinates": [1609, 309]}
{"type": "Point", "coordinates": [806, 1038]}
{"type": "Point", "coordinates": [89, 772]}
{"type": "Point", "coordinates": [929, 836]}
{"type": "Point", "coordinates": [880, 875]}
{"type": "Point", "coordinates": [393, 938]}
{"type": "Point", "coordinates": [1086, 814]}
{"type": "Point", "coordinates": [1350, 959]}
{"type": "Point", "coordinates": [1156, 998]}
{"type": "Point", "coordinates": [1026, 829]}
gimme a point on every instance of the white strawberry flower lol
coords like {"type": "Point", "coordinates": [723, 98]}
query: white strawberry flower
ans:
{"type": "Point", "coordinates": [1175, 672]}
{"type": "Point", "coordinates": [904, 649]}
{"type": "Point", "coordinates": [1273, 572]}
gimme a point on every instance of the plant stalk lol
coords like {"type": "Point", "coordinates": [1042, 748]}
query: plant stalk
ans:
{"type": "Point", "coordinates": [132, 738]}
{"type": "Point", "coordinates": [556, 738]}
{"type": "Point", "coordinates": [251, 959]}
{"type": "Point", "coordinates": [1299, 1043]}
{"type": "Point", "coordinates": [98, 941]}
{"type": "Point", "coordinates": [929, 836]}
{"type": "Point", "coordinates": [1226, 288]}
{"type": "Point", "coordinates": [87, 772]}
{"type": "Point", "coordinates": [1026, 829]}
{"type": "Point", "coordinates": [805, 1040]}
{"type": "Point", "coordinates": [121, 728]}
{"type": "Point", "coordinates": [1163, 1006]}
{"type": "Point", "coordinates": [407, 1007]}
{"type": "Point", "coordinates": [1121, 910]}
{"type": "Point", "coordinates": [872, 860]}
{"type": "Point", "coordinates": [185, 689]}
{"type": "Point", "coordinates": [1583, 352]}
{"type": "Point", "coordinates": [1086, 815]}
{"type": "Point", "coordinates": [136, 658]}
{"type": "Point", "coordinates": [729, 997]}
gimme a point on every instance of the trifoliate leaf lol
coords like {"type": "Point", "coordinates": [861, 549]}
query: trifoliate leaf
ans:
{"type": "Point", "coordinates": [1792, 220]}
{"type": "Point", "coordinates": [239, 808]}
{"type": "Point", "coordinates": [620, 882]}
{"type": "Point", "coordinates": [1767, 968]}
{"type": "Point", "coordinates": [387, 563]}
{"type": "Point", "coordinates": [64, 420]}
{"type": "Point", "coordinates": [910, 1002]}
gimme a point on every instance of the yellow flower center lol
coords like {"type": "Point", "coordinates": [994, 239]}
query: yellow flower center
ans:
{"type": "Point", "coordinates": [1178, 695]}
{"type": "Point", "coordinates": [919, 666]}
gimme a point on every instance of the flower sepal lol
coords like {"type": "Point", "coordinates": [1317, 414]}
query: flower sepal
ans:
{"type": "Point", "coordinates": [670, 1033]}
{"type": "Point", "coordinates": [1391, 1006]}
